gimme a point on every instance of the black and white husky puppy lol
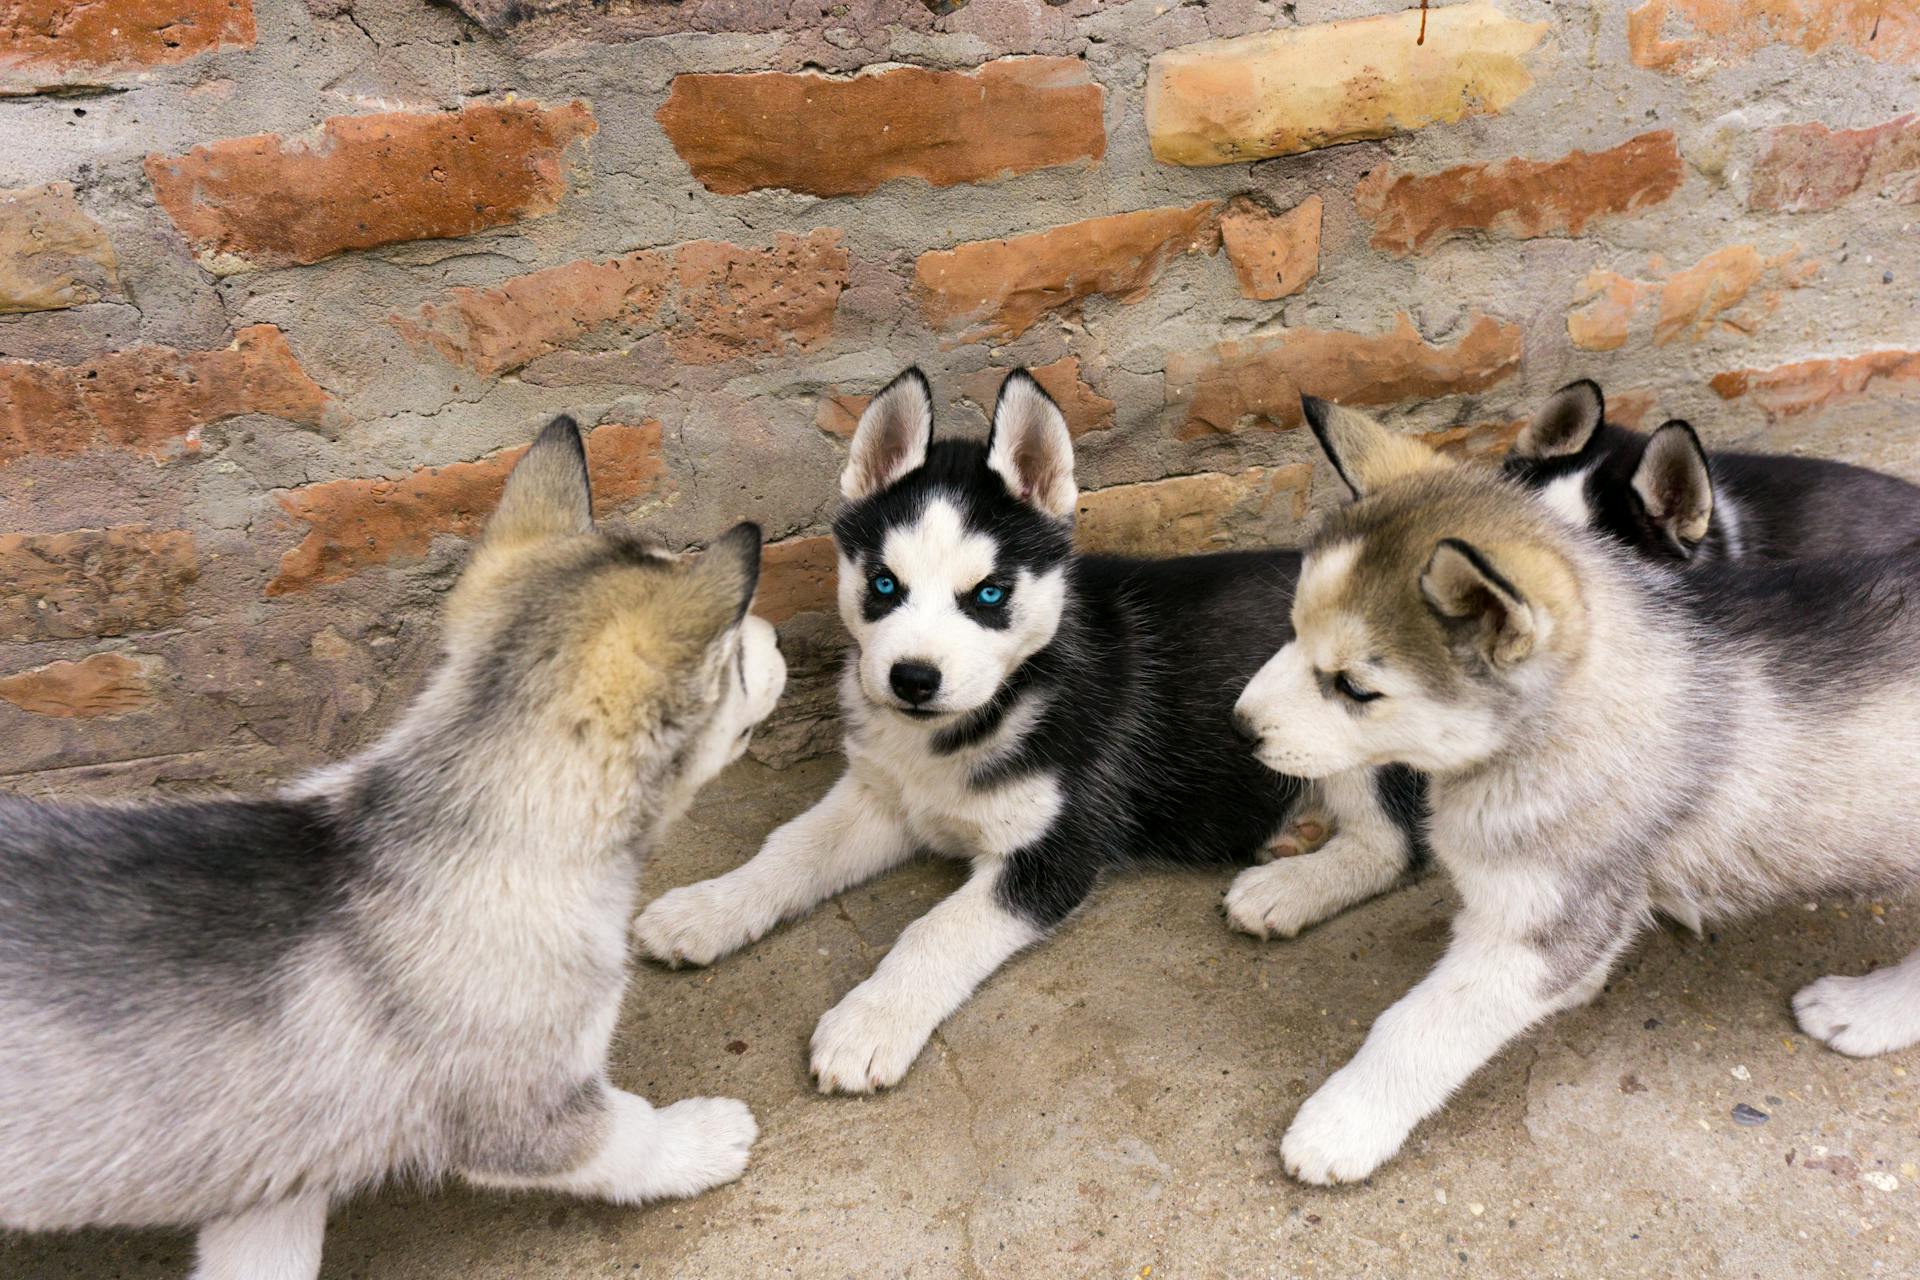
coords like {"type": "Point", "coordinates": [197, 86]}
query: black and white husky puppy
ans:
{"type": "Point", "coordinates": [1667, 498]}
{"type": "Point", "coordinates": [1605, 737]}
{"type": "Point", "coordinates": [227, 1013]}
{"type": "Point", "coordinates": [1051, 717]}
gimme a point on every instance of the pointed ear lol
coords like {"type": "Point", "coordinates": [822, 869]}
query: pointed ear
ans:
{"type": "Point", "coordinates": [1675, 485]}
{"type": "Point", "coordinates": [1029, 447]}
{"type": "Point", "coordinates": [1464, 589]}
{"type": "Point", "coordinates": [1566, 423]}
{"type": "Point", "coordinates": [892, 437]}
{"type": "Point", "coordinates": [729, 570]}
{"type": "Point", "coordinates": [1365, 454]}
{"type": "Point", "coordinates": [548, 495]}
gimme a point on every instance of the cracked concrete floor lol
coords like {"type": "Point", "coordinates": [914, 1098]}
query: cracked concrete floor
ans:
{"type": "Point", "coordinates": [1111, 1102]}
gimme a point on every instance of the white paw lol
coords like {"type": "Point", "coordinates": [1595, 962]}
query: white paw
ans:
{"type": "Point", "coordinates": [1872, 1014]}
{"type": "Point", "coordinates": [696, 924]}
{"type": "Point", "coordinates": [1340, 1136]}
{"type": "Point", "coordinates": [1279, 899]}
{"type": "Point", "coordinates": [866, 1042]}
{"type": "Point", "coordinates": [697, 1144]}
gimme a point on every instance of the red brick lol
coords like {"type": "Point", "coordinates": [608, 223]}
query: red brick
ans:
{"type": "Point", "coordinates": [1809, 167]}
{"type": "Point", "coordinates": [356, 524]}
{"type": "Point", "coordinates": [998, 289]}
{"type": "Point", "coordinates": [93, 582]}
{"type": "Point", "coordinates": [496, 330]}
{"type": "Point", "coordinates": [1687, 35]}
{"type": "Point", "coordinates": [52, 255]}
{"type": "Point", "coordinates": [47, 43]}
{"type": "Point", "coordinates": [1272, 254]}
{"type": "Point", "coordinates": [105, 684]}
{"type": "Point", "coordinates": [797, 575]}
{"type": "Point", "coordinates": [1084, 408]}
{"type": "Point", "coordinates": [731, 301]}
{"type": "Point", "coordinates": [364, 181]}
{"type": "Point", "coordinates": [838, 415]}
{"type": "Point", "coordinates": [152, 400]}
{"type": "Point", "coordinates": [1257, 381]}
{"type": "Point", "coordinates": [1722, 292]}
{"type": "Point", "coordinates": [1519, 198]}
{"type": "Point", "coordinates": [1184, 515]}
{"type": "Point", "coordinates": [845, 135]}
{"type": "Point", "coordinates": [1788, 390]}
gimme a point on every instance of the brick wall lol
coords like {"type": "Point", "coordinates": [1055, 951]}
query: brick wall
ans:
{"type": "Point", "coordinates": [282, 288]}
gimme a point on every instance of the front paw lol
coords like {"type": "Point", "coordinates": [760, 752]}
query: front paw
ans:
{"type": "Point", "coordinates": [866, 1042]}
{"type": "Point", "coordinates": [1863, 1016]}
{"type": "Point", "coordinates": [1277, 900]}
{"type": "Point", "coordinates": [1340, 1136]}
{"type": "Point", "coordinates": [698, 1144]}
{"type": "Point", "coordinates": [693, 925]}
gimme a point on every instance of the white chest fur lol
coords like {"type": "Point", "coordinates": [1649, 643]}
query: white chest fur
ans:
{"type": "Point", "coordinates": [934, 794]}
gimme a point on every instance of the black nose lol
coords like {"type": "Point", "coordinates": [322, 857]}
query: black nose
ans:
{"type": "Point", "coordinates": [914, 682]}
{"type": "Point", "coordinates": [1244, 727]}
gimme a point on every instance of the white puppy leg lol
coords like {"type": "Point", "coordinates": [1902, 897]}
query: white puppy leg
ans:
{"type": "Point", "coordinates": [1366, 856]}
{"type": "Point", "coordinates": [871, 1037]}
{"type": "Point", "coordinates": [653, 1154]}
{"type": "Point", "coordinates": [851, 835]}
{"type": "Point", "coordinates": [1874, 1013]}
{"type": "Point", "coordinates": [1489, 987]}
{"type": "Point", "coordinates": [278, 1242]}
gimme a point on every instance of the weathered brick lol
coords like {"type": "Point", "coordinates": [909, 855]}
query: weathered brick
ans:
{"type": "Point", "coordinates": [104, 684]}
{"type": "Point", "coordinates": [732, 301]}
{"type": "Point", "coordinates": [1688, 35]}
{"type": "Point", "coordinates": [1788, 390]}
{"type": "Point", "coordinates": [46, 44]}
{"type": "Point", "coordinates": [1084, 408]}
{"type": "Point", "coordinates": [845, 135]}
{"type": "Point", "coordinates": [997, 289]}
{"type": "Point", "coordinates": [1689, 303]}
{"type": "Point", "coordinates": [356, 524]}
{"type": "Point", "coordinates": [1184, 515]}
{"type": "Point", "coordinates": [93, 582]}
{"type": "Point", "coordinates": [496, 330]}
{"type": "Point", "coordinates": [359, 182]}
{"type": "Point", "coordinates": [52, 255]}
{"type": "Point", "coordinates": [1808, 167]}
{"type": "Point", "coordinates": [152, 400]}
{"type": "Point", "coordinates": [1296, 89]}
{"type": "Point", "coordinates": [838, 414]}
{"type": "Point", "coordinates": [1519, 198]}
{"type": "Point", "coordinates": [1257, 381]}
{"type": "Point", "coordinates": [797, 575]}
{"type": "Point", "coordinates": [1272, 254]}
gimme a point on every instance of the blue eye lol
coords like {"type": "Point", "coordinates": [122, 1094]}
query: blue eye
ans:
{"type": "Point", "coordinates": [990, 595]}
{"type": "Point", "coordinates": [884, 586]}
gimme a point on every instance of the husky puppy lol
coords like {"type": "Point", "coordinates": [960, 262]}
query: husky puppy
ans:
{"type": "Point", "coordinates": [1605, 738]}
{"type": "Point", "coordinates": [1666, 498]}
{"type": "Point", "coordinates": [228, 1013]}
{"type": "Point", "coordinates": [1050, 717]}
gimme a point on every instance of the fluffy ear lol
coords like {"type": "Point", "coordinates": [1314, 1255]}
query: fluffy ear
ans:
{"type": "Point", "coordinates": [1675, 485]}
{"type": "Point", "coordinates": [1465, 590]}
{"type": "Point", "coordinates": [1565, 424]}
{"type": "Point", "coordinates": [547, 496]}
{"type": "Point", "coordinates": [1029, 447]}
{"type": "Point", "coordinates": [729, 570]}
{"type": "Point", "coordinates": [892, 437]}
{"type": "Point", "coordinates": [1365, 454]}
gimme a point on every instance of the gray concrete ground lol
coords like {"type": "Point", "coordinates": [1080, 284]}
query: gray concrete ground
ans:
{"type": "Point", "coordinates": [1109, 1105]}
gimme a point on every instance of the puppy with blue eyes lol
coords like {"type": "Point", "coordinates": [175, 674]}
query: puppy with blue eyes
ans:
{"type": "Point", "coordinates": [1048, 716]}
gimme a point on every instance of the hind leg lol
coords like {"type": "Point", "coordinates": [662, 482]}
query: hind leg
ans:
{"type": "Point", "coordinates": [1366, 856]}
{"type": "Point", "coordinates": [616, 1146]}
{"type": "Point", "coordinates": [1874, 1013]}
{"type": "Point", "coordinates": [278, 1242]}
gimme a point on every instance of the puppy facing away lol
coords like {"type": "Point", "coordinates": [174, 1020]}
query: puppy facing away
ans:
{"type": "Point", "coordinates": [1050, 717]}
{"type": "Point", "coordinates": [228, 1013]}
{"type": "Point", "coordinates": [1664, 496]}
{"type": "Point", "coordinates": [1605, 737]}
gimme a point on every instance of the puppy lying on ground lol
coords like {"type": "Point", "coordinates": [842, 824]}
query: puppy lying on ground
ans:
{"type": "Point", "coordinates": [1605, 738]}
{"type": "Point", "coordinates": [229, 1013]}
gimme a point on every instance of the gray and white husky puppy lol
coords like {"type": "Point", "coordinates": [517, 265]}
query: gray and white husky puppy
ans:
{"type": "Point", "coordinates": [1606, 737]}
{"type": "Point", "coordinates": [1051, 717]}
{"type": "Point", "coordinates": [228, 1013]}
